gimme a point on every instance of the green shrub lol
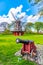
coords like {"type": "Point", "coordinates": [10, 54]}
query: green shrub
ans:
{"type": "Point", "coordinates": [7, 32]}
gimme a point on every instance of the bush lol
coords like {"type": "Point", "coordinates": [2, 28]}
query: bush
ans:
{"type": "Point", "coordinates": [7, 32]}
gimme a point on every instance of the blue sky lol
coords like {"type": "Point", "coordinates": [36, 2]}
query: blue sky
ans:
{"type": "Point", "coordinates": [6, 5]}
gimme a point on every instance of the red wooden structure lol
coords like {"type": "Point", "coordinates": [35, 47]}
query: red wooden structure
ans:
{"type": "Point", "coordinates": [18, 33]}
{"type": "Point", "coordinates": [27, 46]}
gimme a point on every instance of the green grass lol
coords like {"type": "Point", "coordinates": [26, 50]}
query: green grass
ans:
{"type": "Point", "coordinates": [8, 47]}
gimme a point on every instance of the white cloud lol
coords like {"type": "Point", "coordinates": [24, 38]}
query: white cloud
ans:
{"type": "Point", "coordinates": [18, 13]}
{"type": "Point", "coordinates": [10, 15]}
{"type": "Point", "coordinates": [21, 15]}
{"type": "Point", "coordinates": [5, 16]}
{"type": "Point", "coordinates": [29, 17]}
{"type": "Point", "coordinates": [32, 18]}
{"type": "Point", "coordinates": [15, 11]}
{"type": "Point", "coordinates": [19, 9]}
{"type": "Point", "coordinates": [4, 19]}
{"type": "Point", "coordinates": [27, 10]}
{"type": "Point", "coordinates": [10, 18]}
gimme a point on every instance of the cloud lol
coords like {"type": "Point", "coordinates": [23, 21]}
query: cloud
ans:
{"type": "Point", "coordinates": [15, 11]}
{"type": "Point", "coordinates": [19, 9]}
{"type": "Point", "coordinates": [4, 19]}
{"type": "Point", "coordinates": [29, 17]}
{"type": "Point", "coordinates": [32, 18]}
{"type": "Point", "coordinates": [8, 18]}
{"type": "Point", "coordinates": [28, 9]}
{"type": "Point", "coordinates": [18, 14]}
{"type": "Point", "coordinates": [21, 15]}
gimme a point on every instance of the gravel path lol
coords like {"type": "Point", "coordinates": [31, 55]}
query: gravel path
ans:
{"type": "Point", "coordinates": [40, 54]}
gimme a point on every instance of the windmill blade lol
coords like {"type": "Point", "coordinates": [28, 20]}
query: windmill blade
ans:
{"type": "Point", "coordinates": [23, 24]}
{"type": "Point", "coordinates": [13, 15]}
{"type": "Point", "coordinates": [11, 24]}
{"type": "Point", "coordinates": [21, 17]}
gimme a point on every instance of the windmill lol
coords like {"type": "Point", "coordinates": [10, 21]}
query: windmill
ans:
{"type": "Point", "coordinates": [17, 26]}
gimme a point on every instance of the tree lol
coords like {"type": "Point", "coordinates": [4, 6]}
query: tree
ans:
{"type": "Point", "coordinates": [28, 27]}
{"type": "Point", "coordinates": [41, 25]}
{"type": "Point", "coordinates": [38, 26]}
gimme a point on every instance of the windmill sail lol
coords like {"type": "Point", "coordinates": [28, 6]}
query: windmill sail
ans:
{"type": "Point", "coordinates": [13, 16]}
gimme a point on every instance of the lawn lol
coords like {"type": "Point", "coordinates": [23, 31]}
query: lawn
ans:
{"type": "Point", "coordinates": [8, 47]}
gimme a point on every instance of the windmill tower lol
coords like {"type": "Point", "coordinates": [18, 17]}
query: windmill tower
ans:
{"type": "Point", "coordinates": [17, 27]}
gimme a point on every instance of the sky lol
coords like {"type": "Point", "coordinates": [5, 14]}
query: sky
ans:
{"type": "Point", "coordinates": [19, 8]}
{"type": "Point", "coordinates": [6, 5]}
